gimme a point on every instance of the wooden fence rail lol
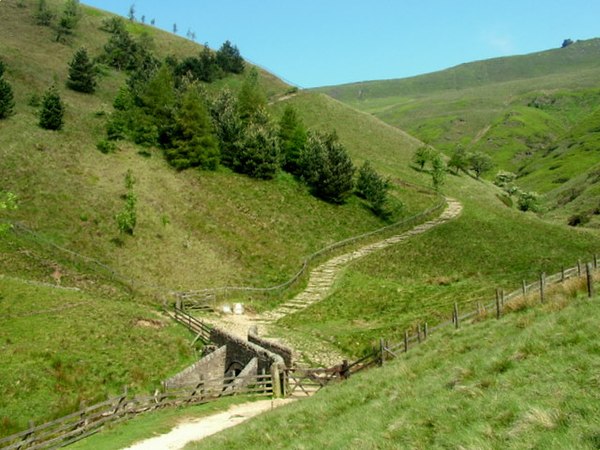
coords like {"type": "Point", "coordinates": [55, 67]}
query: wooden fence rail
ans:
{"type": "Point", "coordinates": [537, 287]}
{"type": "Point", "coordinates": [89, 420]}
{"type": "Point", "coordinates": [199, 298]}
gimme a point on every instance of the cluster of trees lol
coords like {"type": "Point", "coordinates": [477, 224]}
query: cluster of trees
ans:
{"type": "Point", "coordinates": [209, 66]}
{"type": "Point", "coordinates": [526, 200]}
{"type": "Point", "coordinates": [63, 23]}
{"type": "Point", "coordinates": [195, 129]}
{"type": "Point", "coordinates": [427, 154]}
{"type": "Point", "coordinates": [7, 100]}
{"type": "Point", "coordinates": [51, 111]}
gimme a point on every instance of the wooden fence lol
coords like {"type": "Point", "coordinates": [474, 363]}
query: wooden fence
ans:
{"type": "Point", "coordinates": [205, 297]}
{"type": "Point", "coordinates": [537, 288]}
{"type": "Point", "coordinates": [91, 419]}
{"type": "Point", "coordinates": [196, 326]}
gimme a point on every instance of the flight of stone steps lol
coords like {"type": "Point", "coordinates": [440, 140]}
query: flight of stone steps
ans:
{"type": "Point", "coordinates": [322, 277]}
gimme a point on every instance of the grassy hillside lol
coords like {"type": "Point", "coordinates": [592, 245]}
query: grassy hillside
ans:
{"type": "Point", "coordinates": [62, 347]}
{"type": "Point", "coordinates": [489, 246]}
{"type": "Point", "coordinates": [195, 229]}
{"type": "Point", "coordinates": [528, 380]}
{"type": "Point", "coordinates": [517, 109]}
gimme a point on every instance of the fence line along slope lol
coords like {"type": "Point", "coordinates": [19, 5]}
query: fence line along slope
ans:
{"type": "Point", "coordinates": [321, 281]}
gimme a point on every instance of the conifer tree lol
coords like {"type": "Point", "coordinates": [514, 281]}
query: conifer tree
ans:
{"type": "Point", "coordinates": [82, 73]}
{"type": "Point", "coordinates": [372, 187]}
{"type": "Point", "coordinates": [258, 155]}
{"type": "Point", "coordinates": [69, 19]}
{"type": "Point", "coordinates": [229, 58]}
{"type": "Point", "coordinates": [43, 15]}
{"type": "Point", "coordinates": [194, 141]}
{"type": "Point", "coordinates": [327, 168]}
{"type": "Point", "coordinates": [292, 135]}
{"type": "Point", "coordinates": [7, 102]}
{"type": "Point", "coordinates": [251, 98]}
{"type": "Point", "coordinates": [53, 110]}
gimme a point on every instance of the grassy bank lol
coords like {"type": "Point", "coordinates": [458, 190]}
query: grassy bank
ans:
{"type": "Point", "coordinates": [528, 380]}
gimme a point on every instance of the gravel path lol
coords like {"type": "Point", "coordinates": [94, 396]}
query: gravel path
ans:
{"type": "Point", "coordinates": [197, 429]}
{"type": "Point", "coordinates": [320, 284]}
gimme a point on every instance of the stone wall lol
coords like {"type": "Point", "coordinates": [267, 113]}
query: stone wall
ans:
{"type": "Point", "coordinates": [211, 367]}
{"type": "Point", "coordinates": [241, 351]}
{"type": "Point", "coordinates": [275, 347]}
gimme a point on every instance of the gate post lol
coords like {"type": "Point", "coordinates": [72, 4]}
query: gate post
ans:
{"type": "Point", "coordinates": [276, 381]}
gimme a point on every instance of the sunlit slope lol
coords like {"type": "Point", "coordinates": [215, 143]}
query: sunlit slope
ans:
{"type": "Point", "coordinates": [528, 380]}
{"type": "Point", "coordinates": [195, 229]}
{"type": "Point", "coordinates": [517, 109]}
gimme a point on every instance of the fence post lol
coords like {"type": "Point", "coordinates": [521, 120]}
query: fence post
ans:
{"type": "Point", "coordinates": [524, 287]}
{"type": "Point", "coordinates": [382, 350]}
{"type": "Point", "coordinates": [579, 267]}
{"type": "Point", "coordinates": [589, 279]}
{"type": "Point", "coordinates": [405, 341]}
{"type": "Point", "coordinates": [497, 306]}
{"type": "Point", "coordinates": [542, 286]}
{"type": "Point", "coordinates": [419, 333]}
{"type": "Point", "coordinates": [595, 261]}
{"type": "Point", "coordinates": [276, 383]}
{"type": "Point", "coordinates": [456, 324]}
{"type": "Point", "coordinates": [425, 331]}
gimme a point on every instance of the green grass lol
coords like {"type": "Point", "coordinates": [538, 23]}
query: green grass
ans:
{"type": "Point", "coordinates": [62, 347]}
{"type": "Point", "coordinates": [528, 112]}
{"type": "Point", "coordinates": [195, 229]}
{"type": "Point", "coordinates": [489, 246]}
{"type": "Point", "coordinates": [529, 380]}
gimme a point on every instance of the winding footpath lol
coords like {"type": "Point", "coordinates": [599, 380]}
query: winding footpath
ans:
{"type": "Point", "coordinates": [319, 287]}
{"type": "Point", "coordinates": [321, 281]}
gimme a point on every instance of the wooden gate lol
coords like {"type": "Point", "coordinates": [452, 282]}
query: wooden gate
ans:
{"type": "Point", "coordinates": [303, 382]}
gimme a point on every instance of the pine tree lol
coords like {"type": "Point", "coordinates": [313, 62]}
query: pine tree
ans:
{"type": "Point", "coordinates": [292, 135]}
{"type": "Point", "coordinates": [68, 20]}
{"type": "Point", "coordinates": [194, 141]}
{"type": "Point", "coordinates": [229, 58]}
{"type": "Point", "coordinates": [259, 153]}
{"type": "Point", "coordinates": [438, 171]}
{"type": "Point", "coordinates": [53, 110]}
{"type": "Point", "coordinates": [7, 102]}
{"type": "Point", "coordinates": [327, 168]}
{"type": "Point", "coordinates": [82, 73]}
{"type": "Point", "coordinates": [43, 15]}
{"type": "Point", "coordinates": [372, 187]}
{"type": "Point", "coordinates": [251, 98]}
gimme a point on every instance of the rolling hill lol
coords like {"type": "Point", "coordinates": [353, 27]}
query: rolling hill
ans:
{"type": "Point", "coordinates": [535, 114]}
{"type": "Point", "coordinates": [205, 229]}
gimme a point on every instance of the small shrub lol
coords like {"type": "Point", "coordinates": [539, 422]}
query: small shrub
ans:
{"type": "Point", "coordinates": [106, 146]}
{"type": "Point", "coordinates": [34, 100]}
{"type": "Point", "coordinates": [529, 201]}
{"type": "Point", "coordinates": [578, 219]}
{"type": "Point", "coordinates": [53, 110]}
{"type": "Point", "coordinates": [504, 178]}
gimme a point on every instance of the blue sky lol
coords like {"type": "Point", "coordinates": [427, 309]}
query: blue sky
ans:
{"type": "Point", "coordinates": [313, 43]}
